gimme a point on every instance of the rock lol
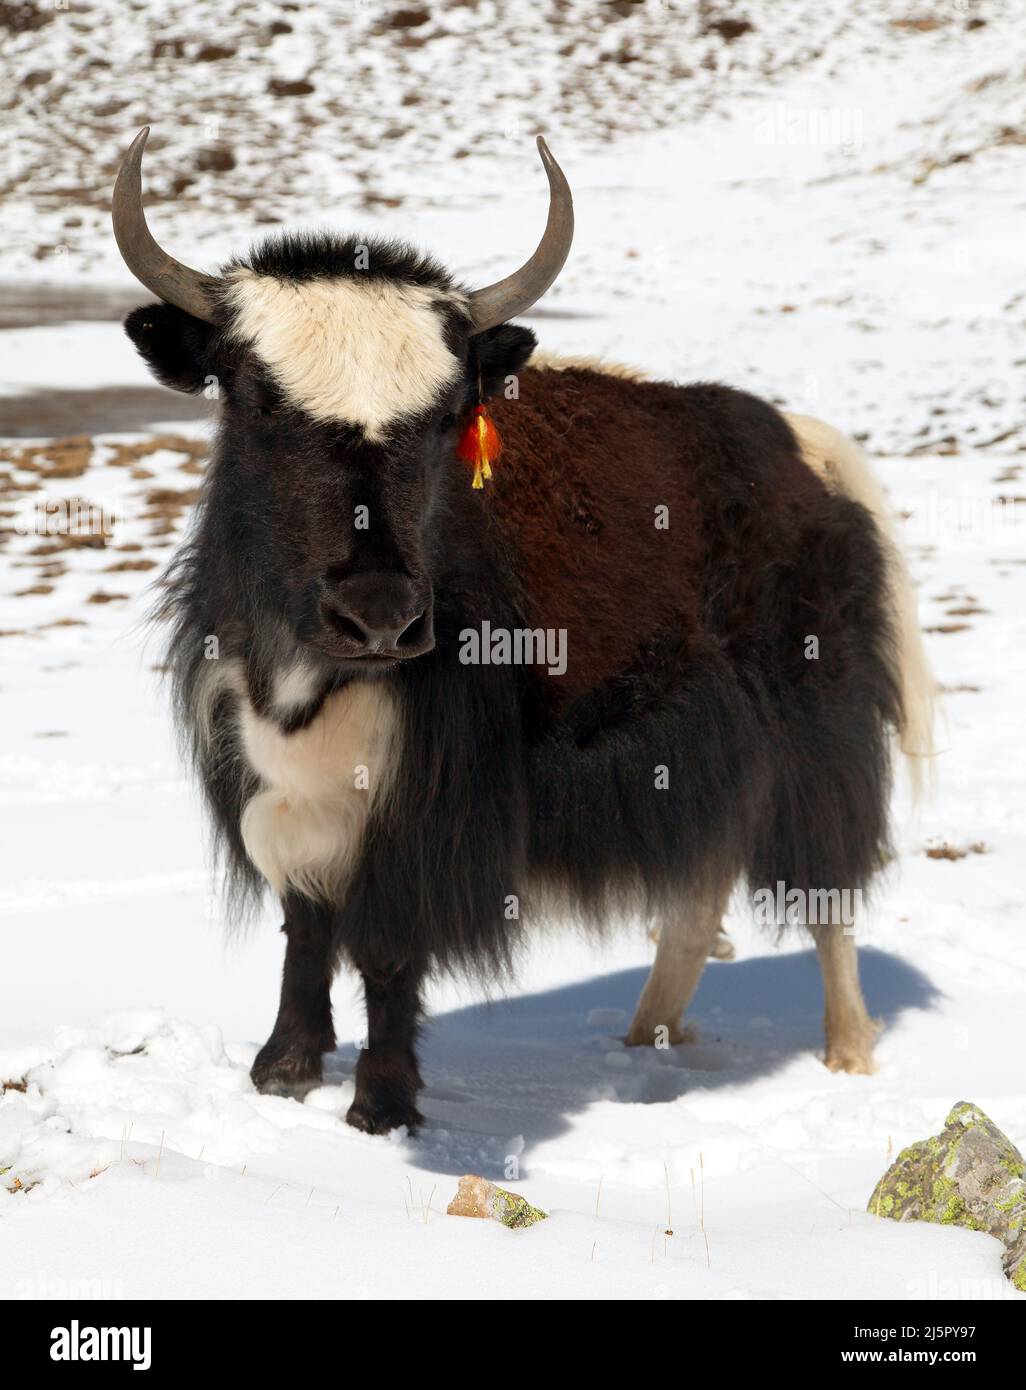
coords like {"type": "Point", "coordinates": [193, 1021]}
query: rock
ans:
{"type": "Point", "coordinates": [411, 18]}
{"type": "Point", "coordinates": [21, 16]}
{"type": "Point", "coordinates": [729, 29]}
{"type": "Point", "coordinates": [214, 53]}
{"type": "Point", "coordinates": [278, 87]}
{"type": "Point", "coordinates": [217, 158]}
{"type": "Point", "coordinates": [969, 1175]}
{"type": "Point", "coordinates": [479, 1197]}
{"type": "Point", "coordinates": [112, 107]}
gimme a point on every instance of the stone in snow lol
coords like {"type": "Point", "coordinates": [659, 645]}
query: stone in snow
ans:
{"type": "Point", "coordinates": [479, 1197]}
{"type": "Point", "coordinates": [969, 1175]}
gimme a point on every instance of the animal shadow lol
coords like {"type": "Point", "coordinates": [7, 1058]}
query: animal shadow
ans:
{"type": "Point", "coordinates": [506, 1075]}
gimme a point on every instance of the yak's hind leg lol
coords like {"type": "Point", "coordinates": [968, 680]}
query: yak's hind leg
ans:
{"type": "Point", "coordinates": [686, 940]}
{"type": "Point", "coordinates": [289, 1063]}
{"type": "Point", "coordinates": [850, 1032]}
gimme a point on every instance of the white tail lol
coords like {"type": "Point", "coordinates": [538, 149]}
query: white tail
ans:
{"type": "Point", "coordinates": [844, 468]}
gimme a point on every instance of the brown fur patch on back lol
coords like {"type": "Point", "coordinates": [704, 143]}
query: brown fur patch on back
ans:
{"type": "Point", "coordinates": [588, 457]}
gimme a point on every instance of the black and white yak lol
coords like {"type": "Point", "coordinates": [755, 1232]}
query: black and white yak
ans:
{"type": "Point", "coordinates": [741, 640]}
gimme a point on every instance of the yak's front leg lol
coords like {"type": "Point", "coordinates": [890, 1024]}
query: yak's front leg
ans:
{"type": "Point", "coordinates": [387, 1075]}
{"type": "Point", "coordinates": [289, 1063]}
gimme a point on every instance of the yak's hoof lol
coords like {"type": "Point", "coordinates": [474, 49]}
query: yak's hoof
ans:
{"type": "Point", "coordinates": [288, 1090]}
{"type": "Point", "coordinates": [851, 1049]}
{"type": "Point", "coordinates": [289, 1074]}
{"type": "Point", "coordinates": [856, 1061]}
{"type": "Point", "coordinates": [380, 1116]}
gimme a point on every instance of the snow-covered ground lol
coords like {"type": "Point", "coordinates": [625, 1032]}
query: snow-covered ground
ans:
{"type": "Point", "coordinates": [799, 227]}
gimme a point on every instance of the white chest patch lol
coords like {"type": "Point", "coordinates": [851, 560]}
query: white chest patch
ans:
{"type": "Point", "coordinates": [361, 351]}
{"type": "Point", "coordinates": [305, 828]}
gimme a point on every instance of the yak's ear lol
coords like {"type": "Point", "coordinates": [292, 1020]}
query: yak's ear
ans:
{"type": "Point", "coordinates": [176, 347]}
{"type": "Point", "coordinates": [500, 353]}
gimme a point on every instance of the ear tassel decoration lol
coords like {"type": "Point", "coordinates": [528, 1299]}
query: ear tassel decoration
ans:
{"type": "Point", "coordinates": [480, 444]}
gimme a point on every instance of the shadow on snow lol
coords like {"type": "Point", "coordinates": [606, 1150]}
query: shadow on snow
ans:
{"type": "Point", "coordinates": [499, 1071]}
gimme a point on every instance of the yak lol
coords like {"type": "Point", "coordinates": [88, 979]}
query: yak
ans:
{"type": "Point", "coordinates": [738, 639]}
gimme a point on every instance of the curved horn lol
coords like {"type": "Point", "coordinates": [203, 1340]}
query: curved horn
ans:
{"type": "Point", "coordinates": [507, 298]}
{"type": "Point", "coordinates": [167, 278]}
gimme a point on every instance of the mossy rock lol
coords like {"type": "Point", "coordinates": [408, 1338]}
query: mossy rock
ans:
{"type": "Point", "coordinates": [479, 1197]}
{"type": "Point", "coordinates": [969, 1175]}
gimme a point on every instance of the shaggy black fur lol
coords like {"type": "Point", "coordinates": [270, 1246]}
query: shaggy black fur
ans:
{"type": "Point", "coordinates": [776, 765]}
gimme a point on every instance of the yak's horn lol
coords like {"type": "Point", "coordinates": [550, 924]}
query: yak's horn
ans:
{"type": "Point", "coordinates": [507, 298]}
{"type": "Point", "coordinates": [169, 279]}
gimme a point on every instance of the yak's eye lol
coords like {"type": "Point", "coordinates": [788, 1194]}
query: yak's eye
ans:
{"type": "Point", "coordinates": [447, 421]}
{"type": "Point", "coordinates": [263, 411]}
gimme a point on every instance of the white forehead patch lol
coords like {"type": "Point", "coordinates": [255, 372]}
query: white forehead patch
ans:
{"type": "Point", "coordinates": [360, 351]}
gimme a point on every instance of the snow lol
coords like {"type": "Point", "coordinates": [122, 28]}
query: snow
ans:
{"type": "Point", "coordinates": [847, 269]}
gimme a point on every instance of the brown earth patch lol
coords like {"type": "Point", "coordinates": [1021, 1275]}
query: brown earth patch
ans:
{"type": "Point", "coordinates": [952, 852]}
{"type": "Point", "coordinates": [921, 24]}
{"type": "Point", "coordinates": [54, 545]}
{"type": "Point", "coordinates": [57, 458]}
{"type": "Point", "coordinates": [127, 454]}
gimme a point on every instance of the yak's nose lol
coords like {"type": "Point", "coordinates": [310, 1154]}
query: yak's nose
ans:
{"type": "Point", "coordinates": [379, 614]}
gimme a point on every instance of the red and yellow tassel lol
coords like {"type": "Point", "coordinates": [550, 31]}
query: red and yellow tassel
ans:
{"type": "Point", "coordinates": [480, 444]}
